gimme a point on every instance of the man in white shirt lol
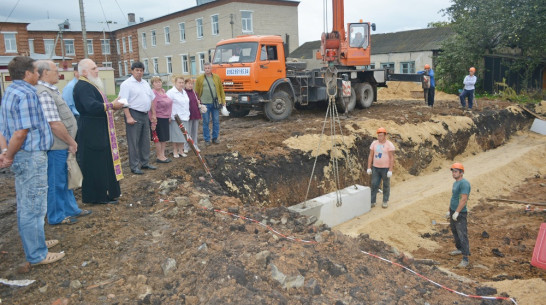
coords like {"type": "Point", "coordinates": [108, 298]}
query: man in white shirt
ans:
{"type": "Point", "coordinates": [139, 96]}
{"type": "Point", "coordinates": [468, 91]}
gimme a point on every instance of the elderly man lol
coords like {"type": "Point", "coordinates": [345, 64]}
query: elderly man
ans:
{"type": "Point", "coordinates": [208, 87]}
{"type": "Point", "coordinates": [139, 95]}
{"type": "Point", "coordinates": [27, 135]}
{"type": "Point", "coordinates": [97, 143]}
{"type": "Point", "coordinates": [61, 204]}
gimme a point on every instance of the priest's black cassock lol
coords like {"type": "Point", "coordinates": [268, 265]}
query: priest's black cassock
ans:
{"type": "Point", "coordinates": [100, 184]}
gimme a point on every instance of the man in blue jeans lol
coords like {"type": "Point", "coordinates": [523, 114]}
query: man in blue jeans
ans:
{"type": "Point", "coordinates": [457, 214]}
{"type": "Point", "coordinates": [208, 86]}
{"type": "Point", "coordinates": [27, 136]}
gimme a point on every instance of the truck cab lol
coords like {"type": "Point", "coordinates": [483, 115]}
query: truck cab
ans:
{"type": "Point", "coordinates": [252, 69]}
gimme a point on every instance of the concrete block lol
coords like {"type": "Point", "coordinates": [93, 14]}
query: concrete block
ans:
{"type": "Point", "coordinates": [539, 126]}
{"type": "Point", "coordinates": [355, 202]}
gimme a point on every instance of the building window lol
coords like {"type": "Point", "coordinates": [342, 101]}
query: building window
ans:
{"type": "Point", "coordinates": [31, 45]}
{"type": "Point", "coordinates": [144, 40]}
{"type": "Point", "coordinates": [69, 47]}
{"type": "Point", "coordinates": [387, 65]}
{"type": "Point", "coordinates": [156, 65]}
{"type": "Point", "coordinates": [131, 62]}
{"type": "Point", "coordinates": [125, 67]}
{"type": "Point", "coordinates": [10, 42]}
{"type": "Point", "coordinates": [107, 64]}
{"type": "Point", "coordinates": [182, 29]}
{"type": "Point", "coordinates": [154, 41]}
{"type": "Point", "coordinates": [202, 62]}
{"type": "Point", "coordinates": [117, 46]}
{"type": "Point", "coordinates": [372, 66]}
{"type": "Point", "coordinates": [145, 63]}
{"type": "Point", "coordinates": [49, 46]}
{"type": "Point", "coordinates": [105, 46]}
{"type": "Point", "coordinates": [214, 23]}
{"type": "Point", "coordinates": [130, 40]}
{"type": "Point", "coordinates": [90, 46]}
{"type": "Point", "coordinates": [167, 35]}
{"type": "Point", "coordinates": [407, 67]}
{"type": "Point", "coordinates": [169, 64]}
{"type": "Point", "coordinates": [185, 68]}
{"type": "Point", "coordinates": [120, 69]}
{"type": "Point", "coordinates": [246, 19]}
{"type": "Point", "coordinates": [199, 23]}
{"type": "Point", "coordinates": [123, 44]}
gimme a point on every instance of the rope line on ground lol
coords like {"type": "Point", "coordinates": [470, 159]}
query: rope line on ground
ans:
{"type": "Point", "coordinates": [291, 238]}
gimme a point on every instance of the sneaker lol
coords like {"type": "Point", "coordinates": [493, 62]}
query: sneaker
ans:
{"type": "Point", "coordinates": [373, 204]}
{"type": "Point", "coordinates": [185, 151]}
{"type": "Point", "coordinates": [215, 141]}
{"type": "Point", "coordinates": [463, 263]}
{"type": "Point", "coordinates": [184, 155]}
{"type": "Point", "coordinates": [207, 143]}
{"type": "Point", "coordinates": [455, 252]}
{"type": "Point", "coordinates": [385, 205]}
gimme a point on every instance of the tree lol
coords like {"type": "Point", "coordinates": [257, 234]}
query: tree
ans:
{"type": "Point", "coordinates": [516, 28]}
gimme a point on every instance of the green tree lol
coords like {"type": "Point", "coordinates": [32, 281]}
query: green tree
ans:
{"type": "Point", "coordinates": [516, 28]}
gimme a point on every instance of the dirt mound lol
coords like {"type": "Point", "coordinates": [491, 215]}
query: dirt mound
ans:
{"type": "Point", "coordinates": [409, 91]}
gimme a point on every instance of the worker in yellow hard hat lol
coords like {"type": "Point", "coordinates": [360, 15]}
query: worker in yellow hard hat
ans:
{"type": "Point", "coordinates": [468, 91]}
{"type": "Point", "coordinates": [457, 213]}
{"type": "Point", "coordinates": [380, 165]}
{"type": "Point", "coordinates": [429, 84]}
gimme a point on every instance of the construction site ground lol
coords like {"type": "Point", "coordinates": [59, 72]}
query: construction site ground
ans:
{"type": "Point", "coordinates": [159, 245]}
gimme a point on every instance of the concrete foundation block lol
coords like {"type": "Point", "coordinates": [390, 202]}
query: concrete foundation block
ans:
{"type": "Point", "coordinates": [355, 202]}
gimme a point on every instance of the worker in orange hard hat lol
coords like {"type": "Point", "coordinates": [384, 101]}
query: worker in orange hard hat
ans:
{"type": "Point", "coordinates": [380, 166]}
{"type": "Point", "coordinates": [457, 213]}
{"type": "Point", "coordinates": [468, 91]}
{"type": "Point", "coordinates": [429, 84]}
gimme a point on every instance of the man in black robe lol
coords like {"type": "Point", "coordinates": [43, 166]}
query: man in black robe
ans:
{"type": "Point", "coordinates": [97, 144]}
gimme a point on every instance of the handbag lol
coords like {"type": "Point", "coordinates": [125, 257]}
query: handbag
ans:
{"type": "Point", "coordinates": [75, 176]}
{"type": "Point", "coordinates": [214, 98]}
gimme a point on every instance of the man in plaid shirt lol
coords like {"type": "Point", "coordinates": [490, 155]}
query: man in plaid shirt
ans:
{"type": "Point", "coordinates": [28, 138]}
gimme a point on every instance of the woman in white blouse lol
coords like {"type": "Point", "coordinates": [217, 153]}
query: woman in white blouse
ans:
{"type": "Point", "coordinates": [181, 106]}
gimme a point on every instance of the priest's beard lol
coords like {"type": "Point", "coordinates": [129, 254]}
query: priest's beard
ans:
{"type": "Point", "coordinates": [97, 82]}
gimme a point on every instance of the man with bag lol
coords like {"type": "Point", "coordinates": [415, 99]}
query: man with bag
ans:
{"type": "Point", "coordinates": [208, 87]}
{"type": "Point", "coordinates": [62, 207]}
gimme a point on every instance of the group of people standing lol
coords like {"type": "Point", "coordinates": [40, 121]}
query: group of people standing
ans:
{"type": "Point", "coordinates": [429, 87]}
{"type": "Point", "coordinates": [40, 127]}
{"type": "Point", "coordinates": [150, 114]}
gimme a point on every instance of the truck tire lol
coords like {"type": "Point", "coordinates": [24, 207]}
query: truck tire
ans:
{"type": "Point", "coordinates": [237, 111]}
{"type": "Point", "coordinates": [364, 95]}
{"type": "Point", "coordinates": [280, 106]}
{"type": "Point", "coordinates": [350, 102]}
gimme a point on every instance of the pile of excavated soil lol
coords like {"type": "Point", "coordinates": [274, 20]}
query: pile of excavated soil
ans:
{"type": "Point", "coordinates": [410, 91]}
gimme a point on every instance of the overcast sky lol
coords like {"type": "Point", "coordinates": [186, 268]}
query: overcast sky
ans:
{"type": "Point", "coordinates": [388, 15]}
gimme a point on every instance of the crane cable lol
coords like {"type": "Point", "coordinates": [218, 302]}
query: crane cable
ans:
{"type": "Point", "coordinates": [332, 116]}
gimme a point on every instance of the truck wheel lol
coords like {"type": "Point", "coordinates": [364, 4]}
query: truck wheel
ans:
{"type": "Point", "coordinates": [364, 95]}
{"type": "Point", "coordinates": [237, 111]}
{"type": "Point", "coordinates": [346, 104]}
{"type": "Point", "coordinates": [280, 106]}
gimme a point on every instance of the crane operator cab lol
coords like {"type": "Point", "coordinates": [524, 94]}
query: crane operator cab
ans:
{"type": "Point", "coordinates": [358, 35]}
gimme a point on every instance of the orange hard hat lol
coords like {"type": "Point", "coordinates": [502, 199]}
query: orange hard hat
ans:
{"type": "Point", "coordinates": [427, 66]}
{"type": "Point", "coordinates": [458, 166]}
{"type": "Point", "coordinates": [381, 129]}
{"type": "Point", "coordinates": [472, 69]}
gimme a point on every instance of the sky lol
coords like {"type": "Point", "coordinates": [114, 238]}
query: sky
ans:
{"type": "Point", "coordinates": [388, 15]}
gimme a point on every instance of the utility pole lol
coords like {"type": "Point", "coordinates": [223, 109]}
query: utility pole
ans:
{"type": "Point", "coordinates": [84, 33]}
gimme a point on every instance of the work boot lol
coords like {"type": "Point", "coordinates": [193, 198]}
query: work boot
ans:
{"type": "Point", "coordinates": [385, 205]}
{"type": "Point", "coordinates": [455, 252]}
{"type": "Point", "coordinates": [463, 263]}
